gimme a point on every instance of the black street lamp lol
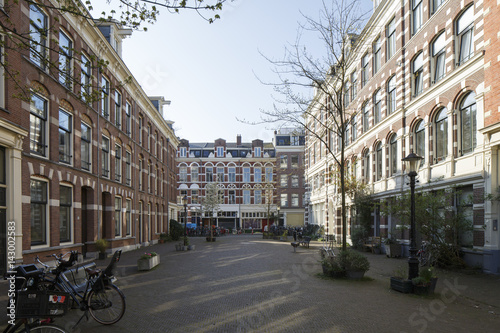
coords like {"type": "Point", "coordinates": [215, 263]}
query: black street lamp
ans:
{"type": "Point", "coordinates": [412, 164]}
{"type": "Point", "coordinates": [185, 203]}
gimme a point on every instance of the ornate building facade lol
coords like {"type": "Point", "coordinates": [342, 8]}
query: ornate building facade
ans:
{"type": "Point", "coordinates": [85, 154]}
{"type": "Point", "coordinates": [423, 80]}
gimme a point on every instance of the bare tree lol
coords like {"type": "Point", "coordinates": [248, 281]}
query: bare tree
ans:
{"type": "Point", "coordinates": [211, 202]}
{"type": "Point", "coordinates": [325, 114]}
{"type": "Point", "coordinates": [17, 40]}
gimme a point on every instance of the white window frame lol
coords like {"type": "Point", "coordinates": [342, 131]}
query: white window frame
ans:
{"type": "Point", "coordinates": [391, 95]}
{"type": "Point", "coordinates": [44, 228]}
{"type": "Point", "coordinates": [246, 197]}
{"type": "Point", "coordinates": [377, 55]}
{"type": "Point", "coordinates": [37, 27]}
{"type": "Point", "coordinates": [118, 162]}
{"type": "Point", "coordinates": [70, 222]}
{"type": "Point", "coordinates": [465, 28]}
{"type": "Point", "coordinates": [66, 131]}
{"type": "Point", "coordinates": [128, 115]}
{"type": "Point", "coordinates": [86, 142]}
{"type": "Point", "coordinates": [195, 175]}
{"type": "Point", "coordinates": [128, 168]}
{"type": "Point", "coordinates": [105, 152]}
{"type": "Point", "coordinates": [183, 173]}
{"type": "Point", "coordinates": [417, 15]}
{"type": "Point", "coordinates": [85, 78]}
{"type": "Point", "coordinates": [220, 151]}
{"type": "Point", "coordinates": [105, 97]}
{"type": "Point", "coordinates": [257, 151]}
{"type": "Point", "coordinates": [391, 39]}
{"type": "Point", "coordinates": [417, 69]}
{"type": "Point", "coordinates": [377, 106]}
{"type": "Point", "coordinates": [246, 174]}
{"type": "Point", "coordinates": [441, 135]}
{"type": "Point", "coordinates": [118, 109]}
{"type": "Point", "coordinates": [231, 174]}
{"type": "Point", "coordinates": [65, 60]}
{"type": "Point", "coordinates": [269, 174]}
{"type": "Point", "coordinates": [257, 175]}
{"type": "Point", "coordinates": [43, 118]}
{"type": "Point", "coordinates": [439, 57]}
{"type": "Point", "coordinates": [128, 217]}
{"type": "Point", "coordinates": [118, 216]}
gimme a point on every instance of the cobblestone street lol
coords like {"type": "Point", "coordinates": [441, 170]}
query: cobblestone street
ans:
{"type": "Point", "coordinates": [247, 284]}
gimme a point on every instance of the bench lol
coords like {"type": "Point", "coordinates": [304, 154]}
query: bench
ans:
{"type": "Point", "coordinates": [372, 243]}
{"type": "Point", "coordinates": [305, 241]}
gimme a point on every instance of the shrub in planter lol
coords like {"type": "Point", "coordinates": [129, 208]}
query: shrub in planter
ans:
{"type": "Point", "coordinates": [101, 245]}
{"type": "Point", "coordinates": [400, 282]}
{"type": "Point", "coordinates": [354, 263]}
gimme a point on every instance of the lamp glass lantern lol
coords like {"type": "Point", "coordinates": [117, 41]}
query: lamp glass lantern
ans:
{"type": "Point", "coordinates": [412, 162]}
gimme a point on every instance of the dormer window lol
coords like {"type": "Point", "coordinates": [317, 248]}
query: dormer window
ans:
{"type": "Point", "coordinates": [220, 151]}
{"type": "Point", "coordinates": [183, 151]}
{"type": "Point", "coordinates": [257, 151]}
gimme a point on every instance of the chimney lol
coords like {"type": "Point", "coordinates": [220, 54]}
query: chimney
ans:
{"type": "Point", "coordinates": [238, 140]}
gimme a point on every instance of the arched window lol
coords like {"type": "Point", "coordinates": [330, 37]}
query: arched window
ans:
{"type": "Point", "coordinates": [468, 123]}
{"type": "Point", "coordinates": [391, 95]}
{"type": "Point", "coordinates": [441, 135]}
{"type": "Point", "coordinates": [419, 144]}
{"type": "Point", "coordinates": [393, 154]}
{"type": "Point", "coordinates": [378, 160]}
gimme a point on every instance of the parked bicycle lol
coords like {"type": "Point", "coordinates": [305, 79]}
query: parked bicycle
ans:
{"type": "Point", "coordinates": [97, 295]}
{"type": "Point", "coordinates": [29, 308]}
{"type": "Point", "coordinates": [425, 255]}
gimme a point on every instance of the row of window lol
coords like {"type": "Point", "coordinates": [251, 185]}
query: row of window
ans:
{"type": "Point", "coordinates": [122, 111]}
{"type": "Point", "coordinates": [294, 161]}
{"type": "Point", "coordinates": [220, 174]}
{"type": "Point", "coordinates": [259, 197]}
{"type": "Point", "coordinates": [441, 136]}
{"type": "Point", "coordinates": [220, 152]}
{"type": "Point", "coordinates": [122, 157]}
{"type": "Point", "coordinates": [39, 194]}
{"type": "Point", "coordinates": [464, 46]}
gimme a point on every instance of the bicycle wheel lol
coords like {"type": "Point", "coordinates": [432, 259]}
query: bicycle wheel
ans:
{"type": "Point", "coordinates": [107, 305]}
{"type": "Point", "coordinates": [44, 328]}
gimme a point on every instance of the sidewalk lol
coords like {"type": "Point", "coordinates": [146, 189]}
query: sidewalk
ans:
{"type": "Point", "coordinates": [242, 283]}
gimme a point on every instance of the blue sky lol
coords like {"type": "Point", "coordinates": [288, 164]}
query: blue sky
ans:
{"type": "Point", "coordinates": [208, 71]}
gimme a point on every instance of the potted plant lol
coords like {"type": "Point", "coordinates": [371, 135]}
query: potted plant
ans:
{"type": "Point", "coordinates": [425, 283]}
{"type": "Point", "coordinates": [392, 248]}
{"type": "Point", "coordinates": [377, 248]}
{"type": "Point", "coordinates": [147, 261]}
{"type": "Point", "coordinates": [101, 245]}
{"type": "Point", "coordinates": [163, 238]}
{"type": "Point", "coordinates": [354, 263]}
{"type": "Point", "coordinates": [400, 282]}
{"type": "Point", "coordinates": [178, 247]}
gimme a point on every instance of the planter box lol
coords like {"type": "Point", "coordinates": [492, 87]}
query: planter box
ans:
{"type": "Point", "coordinates": [147, 264]}
{"type": "Point", "coordinates": [393, 250]}
{"type": "Point", "coordinates": [425, 289]}
{"type": "Point", "coordinates": [403, 286]}
{"type": "Point", "coordinates": [355, 275]}
{"type": "Point", "coordinates": [191, 247]}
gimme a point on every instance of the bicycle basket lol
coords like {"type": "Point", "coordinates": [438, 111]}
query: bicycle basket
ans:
{"type": "Point", "coordinates": [41, 304]}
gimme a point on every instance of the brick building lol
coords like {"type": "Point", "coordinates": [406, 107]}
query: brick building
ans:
{"type": "Point", "coordinates": [289, 144]}
{"type": "Point", "coordinates": [75, 168]}
{"type": "Point", "coordinates": [245, 173]}
{"type": "Point", "coordinates": [424, 79]}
